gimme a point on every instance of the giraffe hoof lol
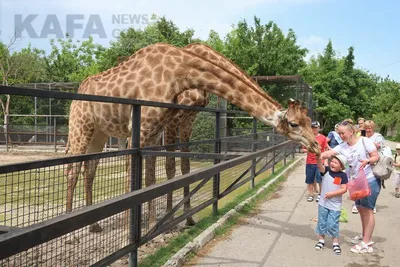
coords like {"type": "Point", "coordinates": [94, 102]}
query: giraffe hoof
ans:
{"type": "Point", "coordinates": [95, 228]}
{"type": "Point", "coordinates": [190, 222]}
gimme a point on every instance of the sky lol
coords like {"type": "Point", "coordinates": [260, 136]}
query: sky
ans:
{"type": "Point", "coordinates": [371, 27]}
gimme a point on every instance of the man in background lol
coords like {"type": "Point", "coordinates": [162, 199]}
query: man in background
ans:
{"type": "Point", "coordinates": [313, 175]}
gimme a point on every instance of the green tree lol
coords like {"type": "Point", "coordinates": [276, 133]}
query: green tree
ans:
{"type": "Point", "coordinates": [387, 104]}
{"type": "Point", "coordinates": [72, 62]}
{"type": "Point", "coordinates": [129, 41]}
{"type": "Point", "coordinates": [339, 89]}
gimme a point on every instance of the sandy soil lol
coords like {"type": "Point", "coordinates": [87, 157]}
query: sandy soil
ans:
{"type": "Point", "coordinates": [81, 247]}
{"type": "Point", "coordinates": [17, 157]}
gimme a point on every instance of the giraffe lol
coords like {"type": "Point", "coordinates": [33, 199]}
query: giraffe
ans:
{"type": "Point", "coordinates": [160, 72]}
{"type": "Point", "coordinates": [185, 118]}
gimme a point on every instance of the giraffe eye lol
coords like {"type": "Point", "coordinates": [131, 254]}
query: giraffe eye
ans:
{"type": "Point", "coordinates": [293, 124]}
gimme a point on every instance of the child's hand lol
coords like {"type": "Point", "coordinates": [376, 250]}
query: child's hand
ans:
{"type": "Point", "coordinates": [329, 195]}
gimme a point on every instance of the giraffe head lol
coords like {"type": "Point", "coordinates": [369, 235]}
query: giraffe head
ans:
{"type": "Point", "coordinates": [296, 125]}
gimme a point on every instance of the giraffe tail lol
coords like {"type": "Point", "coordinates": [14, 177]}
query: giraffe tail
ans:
{"type": "Point", "coordinates": [66, 148]}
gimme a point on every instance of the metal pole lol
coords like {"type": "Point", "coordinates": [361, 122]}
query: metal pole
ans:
{"type": "Point", "coordinates": [293, 150]}
{"type": "Point", "coordinates": [50, 111]}
{"type": "Point", "coordinates": [273, 152]}
{"type": "Point", "coordinates": [217, 149]}
{"type": "Point", "coordinates": [55, 135]}
{"type": "Point", "coordinates": [136, 184]}
{"type": "Point", "coordinates": [253, 148]}
{"type": "Point", "coordinates": [6, 128]}
{"type": "Point", "coordinates": [35, 117]}
{"type": "Point", "coordinates": [284, 155]}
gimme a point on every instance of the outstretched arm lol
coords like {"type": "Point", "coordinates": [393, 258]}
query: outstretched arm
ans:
{"type": "Point", "coordinates": [339, 192]}
{"type": "Point", "coordinates": [327, 154]}
{"type": "Point", "coordinates": [320, 165]}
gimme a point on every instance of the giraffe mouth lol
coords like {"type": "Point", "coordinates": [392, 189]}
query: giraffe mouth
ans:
{"type": "Point", "coordinates": [312, 146]}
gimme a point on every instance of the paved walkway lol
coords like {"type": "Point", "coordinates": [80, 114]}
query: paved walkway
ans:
{"type": "Point", "coordinates": [391, 144]}
{"type": "Point", "coordinates": [282, 234]}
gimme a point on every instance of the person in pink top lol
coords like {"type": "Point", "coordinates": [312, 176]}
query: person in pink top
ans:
{"type": "Point", "coordinates": [312, 173]}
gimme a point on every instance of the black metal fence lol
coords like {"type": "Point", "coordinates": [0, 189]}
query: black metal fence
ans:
{"type": "Point", "coordinates": [37, 231]}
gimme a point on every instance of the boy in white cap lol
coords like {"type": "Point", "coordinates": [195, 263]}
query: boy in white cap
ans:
{"type": "Point", "coordinates": [396, 163]}
{"type": "Point", "coordinates": [333, 186]}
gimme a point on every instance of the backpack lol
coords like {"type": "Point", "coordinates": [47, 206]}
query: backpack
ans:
{"type": "Point", "coordinates": [385, 150]}
{"type": "Point", "coordinates": [384, 167]}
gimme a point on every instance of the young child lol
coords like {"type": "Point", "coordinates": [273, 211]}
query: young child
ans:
{"type": "Point", "coordinates": [333, 186]}
{"type": "Point", "coordinates": [396, 163]}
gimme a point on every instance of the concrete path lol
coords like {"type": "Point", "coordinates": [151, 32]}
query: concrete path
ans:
{"type": "Point", "coordinates": [282, 234]}
{"type": "Point", "coordinates": [390, 144]}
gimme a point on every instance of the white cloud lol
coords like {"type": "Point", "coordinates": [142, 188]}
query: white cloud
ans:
{"type": "Point", "coordinates": [202, 16]}
{"type": "Point", "coordinates": [314, 44]}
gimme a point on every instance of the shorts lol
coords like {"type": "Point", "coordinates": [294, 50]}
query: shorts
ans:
{"type": "Point", "coordinates": [370, 201]}
{"type": "Point", "coordinates": [328, 222]}
{"type": "Point", "coordinates": [312, 174]}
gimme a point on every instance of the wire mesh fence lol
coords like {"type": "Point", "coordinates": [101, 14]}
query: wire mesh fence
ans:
{"type": "Point", "coordinates": [67, 220]}
{"type": "Point", "coordinates": [32, 196]}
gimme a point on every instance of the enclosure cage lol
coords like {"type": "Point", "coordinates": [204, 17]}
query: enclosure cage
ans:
{"type": "Point", "coordinates": [281, 88]}
{"type": "Point", "coordinates": [45, 125]}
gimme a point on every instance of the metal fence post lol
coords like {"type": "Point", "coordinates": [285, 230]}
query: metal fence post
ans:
{"type": "Point", "coordinates": [217, 149]}
{"type": "Point", "coordinates": [55, 135]}
{"type": "Point", "coordinates": [284, 155]}
{"type": "Point", "coordinates": [293, 151]}
{"type": "Point", "coordinates": [6, 129]}
{"type": "Point", "coordinates": [273, 152]}
{"type": "Point", "coordinates": [136, 184]}
{"type": "Point", "coordinates": [35, 117]}
{"type": "Point", "coordinates": [253, 148]}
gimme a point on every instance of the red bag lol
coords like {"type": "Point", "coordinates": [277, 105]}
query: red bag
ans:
{"type": "Point", "coordinates": [359, 186]}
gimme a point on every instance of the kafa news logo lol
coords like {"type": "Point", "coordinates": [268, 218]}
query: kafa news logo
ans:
{"type": "Point", "coordinates": [75, 25]}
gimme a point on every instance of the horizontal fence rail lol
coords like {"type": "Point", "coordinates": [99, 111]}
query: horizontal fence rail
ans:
{"type": "Point", "coordinates": [36, 229]}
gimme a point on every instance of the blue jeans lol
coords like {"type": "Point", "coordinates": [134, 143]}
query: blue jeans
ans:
{"type": "Point", "coordinates": [328, 222]}
{"type": "Point", "coordinates": [370, 201]}
{"type": "Point", "coordinates": [312, 174]}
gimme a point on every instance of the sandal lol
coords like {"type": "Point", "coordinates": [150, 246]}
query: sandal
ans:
{"type": "Point", "coordinates": [310, 198]}
{"type": "Point", "coordinates": [362, 248]}
{"type": "Point", "coordinates": [337, 250]}
{"type": "Point", "coordinates": [318, 197]}
{"type": "Point", "coordinates": [358, 239]}
{"type": "Point", "coordinates": [397, 194]}
{"type": "Point", "coordinates": [319, 246]}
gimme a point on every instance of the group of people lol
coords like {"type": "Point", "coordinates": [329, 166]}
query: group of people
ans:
{"type": "Point", "coordinates": [347, 150]}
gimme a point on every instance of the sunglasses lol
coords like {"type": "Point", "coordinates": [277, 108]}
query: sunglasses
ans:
{"type": "Point", "coordinates": [344, 123]}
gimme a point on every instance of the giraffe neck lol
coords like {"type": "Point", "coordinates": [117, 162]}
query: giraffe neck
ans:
{"type": "Point", "coordinates": [200, 73]}
{"type": "Point", "coordinates": [209, 53]}
{"type": "Point", "coordinates": [161, 72]}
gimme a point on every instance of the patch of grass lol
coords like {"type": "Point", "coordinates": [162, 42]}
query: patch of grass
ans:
{"type": "Point", "coordinates": [162, 255]}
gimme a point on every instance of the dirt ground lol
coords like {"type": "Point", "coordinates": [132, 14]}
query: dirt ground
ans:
{"type": "Point", "coordinates": [19, 157]}
{"type": "Point", "coordinates": [61, 251]}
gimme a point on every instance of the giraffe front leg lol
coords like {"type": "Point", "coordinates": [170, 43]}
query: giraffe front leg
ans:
{"type": "Point", "coordinates": [170, 166]}
{"type": "Point", "coordinates": [72, 173]}
{"type": "Point", "coordinates": [150, 179]}
{"type": "Point", "coordinates": [185, 133]}
{"type": "Point", "coordinates": [89, 174]}
{"type": "Point", "coordinates": [171, 171]}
